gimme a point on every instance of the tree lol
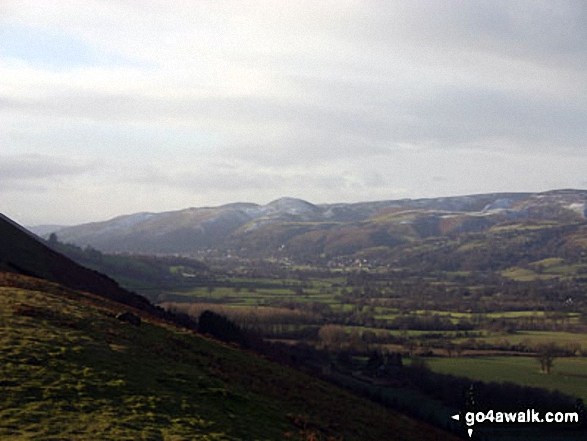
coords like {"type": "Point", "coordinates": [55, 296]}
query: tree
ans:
{"type": "Point", "coordinates": [220, 327]}
{"type": "Point", "coordinates": [411, 345]}
{"type": "Point", "coordinates": [332, 335]}
{"type": "Point", "coordinates": [369, 336]}
{"type": "Point", "coordinates": [449, 347]}
{"type": "Point", "coordinates": [546, 355]}
{"type": "Point", "coordinates": [53, 239]}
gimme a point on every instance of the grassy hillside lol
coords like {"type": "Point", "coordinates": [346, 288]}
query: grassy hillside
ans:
{"type": "Point", "coordinates": [70, 370]}
{"type": "Point", "coordinates": [23, 253]}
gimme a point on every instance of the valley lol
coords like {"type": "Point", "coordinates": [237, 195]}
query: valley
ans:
{"type": "Point", "coordinates": [408, 304]}
{"type": "Point", "coordinates": [368, 312]}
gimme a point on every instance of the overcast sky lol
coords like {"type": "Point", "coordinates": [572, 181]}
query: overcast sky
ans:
{"type": "Point", "coordinates": [118, 106]}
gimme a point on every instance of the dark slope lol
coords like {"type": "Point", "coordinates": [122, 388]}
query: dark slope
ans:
{"type": "Point", "coordinates": [24, 253]}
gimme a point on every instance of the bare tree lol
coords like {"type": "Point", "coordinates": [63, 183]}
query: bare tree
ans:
{"type": "Point", "coordinates": [332, 336]}
{"type": "Point", "coordinates": [546, 354]}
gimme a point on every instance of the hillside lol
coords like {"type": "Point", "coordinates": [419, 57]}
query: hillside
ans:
{"type": "Point", "coordinates": [297, 230]}
{"type": "Point", "coordinates": [70, 370]}
{"type": "Point", "coordinates": [23, 253]}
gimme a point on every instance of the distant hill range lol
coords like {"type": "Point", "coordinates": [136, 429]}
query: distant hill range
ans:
{"type": "Point", "coordinates": [296, 229]}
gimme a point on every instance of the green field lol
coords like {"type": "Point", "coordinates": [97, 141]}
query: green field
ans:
{"type": "Point", "coordinates": [253, 296]}
{"type": "Point", "coordinates": [531, 338]}
{"type": "Point", "coordinates": [569, 375]}
{"type": "Point", "coordinates": [524, 275]}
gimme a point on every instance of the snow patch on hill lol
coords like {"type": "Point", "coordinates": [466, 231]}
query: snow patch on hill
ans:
{"type": "Point", "coordinates": [579, 207]}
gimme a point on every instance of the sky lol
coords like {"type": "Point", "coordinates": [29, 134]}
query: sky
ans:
{"type": "Point", "coordinates": [118, 106]}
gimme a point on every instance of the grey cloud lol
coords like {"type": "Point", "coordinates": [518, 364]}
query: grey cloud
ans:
{"type": "Point", "coordinates": [344, 99]}
{"type": "Point", "coordinates": [542, 31]}
{"type": "Point", "coordinates": [39, 167]}
{"type": "Point", "coordinates": [528, 28]}
{"type": "Point", "coordinates": [545, 31]}
{"type": "Point", "coordinates": [327, 119]}
{"type": "Point", "coordinates": [218, 180]}
{"type": "Point", "coordinates": [461, 116]}
{"type": "Point", "coordinates": [236, 178]}
{"type": "Point", "coordinates": [322, 110]}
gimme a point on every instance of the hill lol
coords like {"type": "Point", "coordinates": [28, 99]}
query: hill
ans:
{"type": "Point", "coordinates": [71, 370]}
{"type": "Point", "coordinates": [303, 232]}
{"type": "Point", "coordinates": [24, 253]}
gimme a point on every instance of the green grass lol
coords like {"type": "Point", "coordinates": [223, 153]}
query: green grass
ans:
{"type": "Point", "coordinates": [70, 370]}
{"type": "Point", "coordinates": [257, 296]}
{"type": "Point", "coordinates": [569, 375]}
{"type": "Point", "coordinates": [515, 314]}
{"type": "Point", "coordinates": [550, 262]}
{"type": "Point", "coordinates": [536, 337]}
{"type": "Point", "coordinates": [498, 314]}
{"type": "Point", "coordinates": [525, 275]}
{"type": "Point", "coordinates": [473, 244]}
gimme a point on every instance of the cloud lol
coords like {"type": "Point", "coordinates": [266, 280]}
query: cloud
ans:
{"type": "Point", "coordinates": [70, 195]}
{"type": "Point", "coordinates": [188, 103]}
{"type": "Point", "coordinates": [14, 168]}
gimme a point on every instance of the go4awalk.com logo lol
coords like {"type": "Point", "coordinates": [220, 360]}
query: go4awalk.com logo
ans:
{"type": "Point", "coordinates": [528, 416]}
